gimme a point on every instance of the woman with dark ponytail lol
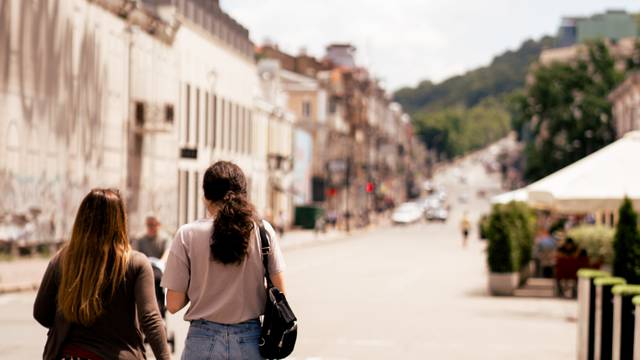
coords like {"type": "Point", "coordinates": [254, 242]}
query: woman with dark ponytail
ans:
{"type": "Point", "coordinates": [215, 265]}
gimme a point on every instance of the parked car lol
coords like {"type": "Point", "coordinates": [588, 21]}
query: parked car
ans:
{"type": "Point", "coordinates": [437, 214]}
{"type": "Point", "coordinates": [407, 213]}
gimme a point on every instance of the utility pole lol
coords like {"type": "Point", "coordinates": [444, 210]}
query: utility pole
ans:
{"type": "Point", "coordinates": [347, 181]}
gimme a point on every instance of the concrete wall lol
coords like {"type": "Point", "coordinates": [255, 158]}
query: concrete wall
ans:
{"type": "Point", "coordinates": [62, 107]}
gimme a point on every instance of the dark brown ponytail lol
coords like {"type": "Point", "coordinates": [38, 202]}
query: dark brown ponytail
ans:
{"type": "Point", "coordinates": [224, 183]}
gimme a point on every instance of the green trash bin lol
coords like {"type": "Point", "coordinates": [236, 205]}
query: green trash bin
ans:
{"type": "Point", "coordinates": [604, 316]}
{"type": "Point", "coordinates": [586, 312]}
{"type": "Point", "coordinates": [306, 216]}
{"type": "Point", "coordinates": [623, 320]}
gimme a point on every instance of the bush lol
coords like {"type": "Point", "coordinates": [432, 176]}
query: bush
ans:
{"type": "Point", "coordinates": [510, 234]}
{"type": "Point", "coordinates": [502, 252]}
{"type": "Point", "coordinates": [483, 227]}
{"type": "Point", "coordinates": [597, 240]}
{"type": "Point", "coordinates": [626, 244]}
{"type": "Point", "coordinates": [522, 222]}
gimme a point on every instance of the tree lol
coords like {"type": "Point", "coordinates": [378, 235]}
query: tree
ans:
{"type": "Point", "coordinates": [569, 116]}
{"type": "Point", "coordinates": [626, 244]}
{"type": "Point", "coordinates": [456, 131]}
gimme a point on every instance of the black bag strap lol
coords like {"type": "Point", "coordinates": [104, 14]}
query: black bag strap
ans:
{"type": "Point", "coordinates": [265, 249]}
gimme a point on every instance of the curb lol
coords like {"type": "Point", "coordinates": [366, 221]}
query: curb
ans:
{"type": "Point", "coordinates": [14, 288]}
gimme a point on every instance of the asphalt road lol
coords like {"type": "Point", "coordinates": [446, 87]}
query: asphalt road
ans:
{"type": "Point", "coordinates": [410, 292]}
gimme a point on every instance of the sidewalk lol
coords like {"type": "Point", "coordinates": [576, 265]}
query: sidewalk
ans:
{"type": "Point", "coordinates": [21, 274]}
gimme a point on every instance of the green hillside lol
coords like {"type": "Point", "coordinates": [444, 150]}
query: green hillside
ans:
{"type": "Point", "coordinates": [469, 111]}
{"type": "Point", "coordinates": [506, 73]}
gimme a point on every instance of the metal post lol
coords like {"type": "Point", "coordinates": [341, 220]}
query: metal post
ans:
{"type": "Point", "coordinates": [347, 181]}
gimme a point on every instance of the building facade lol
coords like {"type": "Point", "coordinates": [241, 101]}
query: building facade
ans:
{"type": "Point", "coordinates": [138, 96]}
{"type": "Point", "coordinates": [626, 105]}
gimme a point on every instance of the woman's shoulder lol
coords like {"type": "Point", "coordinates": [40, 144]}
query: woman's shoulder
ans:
{"type": "Point", "coordinates": [196, 226]}
{"type": "Point", "coordinates": [137, 259]}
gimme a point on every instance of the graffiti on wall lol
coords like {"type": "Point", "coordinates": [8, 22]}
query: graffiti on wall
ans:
{"type": "Point", "coordinates": [55, 71]}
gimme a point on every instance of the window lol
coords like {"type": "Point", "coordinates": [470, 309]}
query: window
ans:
{"type": "Point", "coordinates": [168, 114]}
{"type": "Point", "coordinates": [206, 118]}
{"type": "Point", "coordinates": [139, 113]}
{"type": "Point", "coordinates": [188, 115]}
{"type": "Point", "coordinates": [250, 133]}
{"type": "Point", "coordinates": [196, 196]}
{"type": "Point", "coordinates": [183, 197]}
{"type": "Point", "coordinates": [306, 109]}
{"type": "Point", "coordinates": [215, 118]}
{"type": "Point", "coordinates": [237, 128]}
{"type": "Point", "coordinates": [197, 109]}
{"type": "Point", "coordinates": [222, 123]}
{"type": "Point", "coordinates": [229, 123]}
{"type": "Point", "coordinates": [333, 106]}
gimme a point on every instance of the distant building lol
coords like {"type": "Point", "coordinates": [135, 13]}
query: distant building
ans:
{"type": "Point", "coordinates": [276, 122]}
{"type": "Point", "coordinates": [621, 50]}
{"type": "Point", "coordinates": [613, 25]}
{"type": "Point", "coordinates": [626, 105]}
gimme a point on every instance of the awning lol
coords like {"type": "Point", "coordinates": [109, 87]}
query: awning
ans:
{"type": "Point", "coordinates": [598, 182]}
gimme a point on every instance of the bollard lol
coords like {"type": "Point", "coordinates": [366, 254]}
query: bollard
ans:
{"type": "Point", "coordinates": [636, 333]}
{"type": "Point", "coordinates": [604, 316]}
{"type": "Point", "coordinates": [586, 312]}
{"type": "Point", "coordinates": [623, 320]}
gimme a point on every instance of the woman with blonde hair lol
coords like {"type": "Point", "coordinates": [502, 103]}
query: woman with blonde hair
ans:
{"type": "Point", "coordinates": [96, 287]}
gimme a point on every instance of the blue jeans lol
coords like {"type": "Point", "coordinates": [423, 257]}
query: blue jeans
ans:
{"type": "Point", "coordinates": [208, 340]}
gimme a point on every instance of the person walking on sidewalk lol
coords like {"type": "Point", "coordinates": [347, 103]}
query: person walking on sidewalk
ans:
{"type": "Point", "coordinates": [215, 264]}
{"type": "Point", "coordinates": [96, 290]}
{"type": "Point", "coordinates": [154, 242]}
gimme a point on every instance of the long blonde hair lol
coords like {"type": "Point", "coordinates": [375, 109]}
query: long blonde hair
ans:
{"type": "Point", "coordinates": [94, 262]}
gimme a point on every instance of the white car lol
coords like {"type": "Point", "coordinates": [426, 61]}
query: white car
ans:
{"type": "Point", "coordinates": [437, 214]}
{"type": "Point", "coordinates": [407, 213]}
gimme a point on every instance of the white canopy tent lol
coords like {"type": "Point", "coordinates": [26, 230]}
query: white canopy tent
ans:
{"type": "Point", "coordinates": [515, 195]}
{"type": "Point", "coordinates": [597, 183]}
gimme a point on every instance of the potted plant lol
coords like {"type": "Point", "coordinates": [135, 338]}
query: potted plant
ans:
{"type": "Point", "coordinates": [503, 255]}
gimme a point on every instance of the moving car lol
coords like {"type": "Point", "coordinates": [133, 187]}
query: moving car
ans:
{"type": "Point", "coordinates": [437, 214]}
{"type": "Point", "coordinates": [407, 213]}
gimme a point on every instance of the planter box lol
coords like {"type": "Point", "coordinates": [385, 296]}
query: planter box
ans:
{"type": "Point", "coordinates": [503, 284]}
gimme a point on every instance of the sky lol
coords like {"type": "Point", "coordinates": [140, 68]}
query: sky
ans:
{"type": "Point", "coordinates": [406, 41]}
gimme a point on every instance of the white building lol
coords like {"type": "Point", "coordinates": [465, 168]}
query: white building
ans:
{"type": "Point", "coordinates": [272, 111]}
{"type": "Point", "coordinates": [104, 93]}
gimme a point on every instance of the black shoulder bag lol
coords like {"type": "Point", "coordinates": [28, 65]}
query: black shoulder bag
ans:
{"type": "Point", "coordinates": [279, 324]}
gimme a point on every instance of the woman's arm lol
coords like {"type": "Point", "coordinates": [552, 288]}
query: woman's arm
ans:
{"type": "Point", "coordinates": [176, 301]}
{"type": "Point", "coordinates": [148, 313]}
{"type": "Point", "coordinates": [44, 307]}
{"type": "Point", "coordinates": [278, 281]}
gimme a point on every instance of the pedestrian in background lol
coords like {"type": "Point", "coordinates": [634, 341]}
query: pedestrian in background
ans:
{"type": "Point", "coordinates": [154, 242]}
{"type": "Point", "coordinates": [465, 226]}
{"type": "Point", "coordinates": [96, 288]}
{"type": "Point", "coordinates": [216, 265]}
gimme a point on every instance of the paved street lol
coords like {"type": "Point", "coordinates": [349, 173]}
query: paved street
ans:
{"type": "Point", "coordinates": [395, 293]}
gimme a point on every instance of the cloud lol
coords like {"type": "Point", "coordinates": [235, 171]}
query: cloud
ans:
{"type": "Point", "coordinates": [406, 41]}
